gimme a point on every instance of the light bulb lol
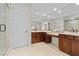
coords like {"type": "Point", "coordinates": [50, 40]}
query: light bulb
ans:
{"type": "Point", "coordinates": [55, 9]}
{"type": "Point", "coordinates": [37, 13]}
{"type": "Point", "coordinates": [59, 11]}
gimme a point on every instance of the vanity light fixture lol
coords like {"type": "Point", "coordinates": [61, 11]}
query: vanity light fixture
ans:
{"type": "Point", "coordinates": [55, 9]}
{"type": "Point", "coordinates": [59, 11]}
{"type": "Point", "coordinates": [37, 13]}
{"type": "Point", "coordinates": [76, 3]}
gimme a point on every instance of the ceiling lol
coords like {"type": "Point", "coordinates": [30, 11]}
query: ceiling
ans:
{"type": "Point", "coordinates": [44, 11]}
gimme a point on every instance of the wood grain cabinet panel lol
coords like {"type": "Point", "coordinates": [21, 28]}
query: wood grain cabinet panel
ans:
{"type": "Point", "coordinates": [47, 38]}
{"type": "Point", "coordinates": [75, 46]}
{"type": "Point", "coordinates": [64, 44]}
{"type": "Point", "coordinates": [69, 44]}
{"type": "Point", "coordinates": [35, 37]}
{"type": "Point", "coordinates": [77, 38]}
{"type": "Point", "coordinates": [40, 37]}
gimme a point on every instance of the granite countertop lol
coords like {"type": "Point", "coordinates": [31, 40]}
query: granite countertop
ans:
{"type": "Point", "coordinates": [57, 33]}
{"type": "Point", "coordinates": [65, 33]}
{"type": "Point", "coordinates": [41, 31]}
{"type": "Point", "coordinates": [53, 33]}
{"type": "Point", "coordinates": [70, 33]}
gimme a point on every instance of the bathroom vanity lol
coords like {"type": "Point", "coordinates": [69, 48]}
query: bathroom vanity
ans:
{"type": "Point", "coordinates": [40, 36]}
{"type": "Point", "coordinates": [69, 43]}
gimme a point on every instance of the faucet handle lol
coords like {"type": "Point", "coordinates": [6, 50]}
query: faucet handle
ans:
{"type": "Point", "coordinates": [72, 30]}
{"type": "Point", "coordinates": [76, 30]}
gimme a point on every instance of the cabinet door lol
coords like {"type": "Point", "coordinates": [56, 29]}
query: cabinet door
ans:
{"type": "Point", "coordinates": [70, 38]}
{"type": "Point", "coordinates": [46, 38]}
{"type": "Point", "coordinates": [64, 44]}
{"type": "Point", "coordinates": [34, 37]}
{"type": "Point", "coordinates": [75, 46]}
{"type": "Point", "coordinates": [41, 36]}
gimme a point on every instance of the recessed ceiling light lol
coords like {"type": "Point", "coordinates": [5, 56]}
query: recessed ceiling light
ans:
{"type": "Point", "coordinates": [59, 11]}
{"type": "Point", "coordinates": [77, 4]}
{"type": "Point", "coordinates": [37, 13]}
{"type": "Point", "coordinates": [55, 9]}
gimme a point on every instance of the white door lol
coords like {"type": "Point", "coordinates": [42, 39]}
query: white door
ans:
{"type": "Point", "coordinates": [21, 25]}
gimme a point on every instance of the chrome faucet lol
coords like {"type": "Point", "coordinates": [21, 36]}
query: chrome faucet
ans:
{"type": "Point", "coordinates": [73, 30]}
{"type": "Point", "coordinates": [76, 30]}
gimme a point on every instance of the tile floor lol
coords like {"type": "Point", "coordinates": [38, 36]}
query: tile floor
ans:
{"type": "Point", "coordinates": [37, 49]}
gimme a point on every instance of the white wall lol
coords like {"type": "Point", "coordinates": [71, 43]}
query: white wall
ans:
{"type": "Point", "coordinates": [21, 20]}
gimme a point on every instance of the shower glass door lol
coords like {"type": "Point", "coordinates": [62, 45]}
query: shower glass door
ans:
{"type": "Point", "coordinates": [3, 31]}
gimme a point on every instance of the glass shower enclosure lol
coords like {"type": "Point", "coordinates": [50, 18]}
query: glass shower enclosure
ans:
{"type": "Point", "coordinates": [3, 29]}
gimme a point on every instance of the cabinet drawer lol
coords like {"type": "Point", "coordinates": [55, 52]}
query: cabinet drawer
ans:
{"type": "Point", "coordinates": [69, 37]}
{"type": "Point", "coordinates": [61, 36]}
{"type": "Point", "coordinates": [76, 37]}
{"type": "Point", "coordinates": [36, 37]}
{"type": "Point", "coordinates": [35, 33]}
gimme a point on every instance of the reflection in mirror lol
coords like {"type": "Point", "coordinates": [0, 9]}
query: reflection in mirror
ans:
{"type": "Point", "coordinates": [36, 26]}
{"type": "Point", "coordinates": [71, 25]}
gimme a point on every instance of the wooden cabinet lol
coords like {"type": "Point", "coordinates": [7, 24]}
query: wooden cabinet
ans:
{"type": "Point", "coordinates": [36, 37]}
{"type": "Point", "coordinates": [64, 44]}
{"type": "Point", "coordinates": [69, 44]}
{"type": "Point", "coordinates": [75, 46]}
{"type": "Point", "coordinates": [47, 38]}
{"type": "Point", "coordinates": [40, 37]}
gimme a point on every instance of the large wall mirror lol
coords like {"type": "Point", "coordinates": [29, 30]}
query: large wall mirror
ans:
{"type": "Point", "coordinates": [71, 24]}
